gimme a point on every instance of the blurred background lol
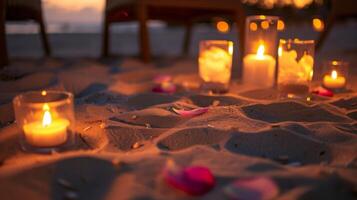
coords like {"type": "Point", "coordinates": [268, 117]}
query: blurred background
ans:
{"type": "Point", "coordinates": [75, 28]}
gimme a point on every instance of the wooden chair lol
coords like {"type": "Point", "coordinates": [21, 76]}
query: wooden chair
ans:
{"type": "Point", "coordinates": [340, 10]}
{"type": "Point", "coordinates": [3, 52]}
{"type": "Point", "coordinates": [23, 10]}
{"type": "Point", "coordinates": [174, 11]}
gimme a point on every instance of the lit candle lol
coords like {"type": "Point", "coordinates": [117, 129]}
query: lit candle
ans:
{"type": "Point", "coordinates": [48, 132]}
{"type": "Point", "coordinates": [334, 81]}
{"type": "Point", "coordinates": [215, 64]}
{"type": "Point", "coordinates": [259, 69]}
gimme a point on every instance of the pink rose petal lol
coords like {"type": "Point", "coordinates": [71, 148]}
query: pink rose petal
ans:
{"type": "Point", "coordinates": [323, 92]}
{"type": "Point", "coordinates": [194, 180]}
{"type": "Point", "coordinates": [166, 87]}
{"type": "Point", "coordinates": [191, 113]}
{"type": "Point", "coordinates": [256, 188]}
{"type": "Point", "coordinates": [162, 79]}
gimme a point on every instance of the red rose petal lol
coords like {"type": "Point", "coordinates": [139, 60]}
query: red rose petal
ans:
{"type": "Point", "coordinates": [257, 188]}
{"type": "Point", "coordinates": [323, 92]}
{"type": "Point", "coordinates": [196, 180]}
{"type": "Point", "coordinates": [191, 113]}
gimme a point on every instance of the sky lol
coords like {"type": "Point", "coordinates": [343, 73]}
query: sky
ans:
{"type": "Point", "coordinates": [73, 11]}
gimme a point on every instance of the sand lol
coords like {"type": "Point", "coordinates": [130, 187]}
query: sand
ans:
{"type": "Point", "coordinates": [126, 133]}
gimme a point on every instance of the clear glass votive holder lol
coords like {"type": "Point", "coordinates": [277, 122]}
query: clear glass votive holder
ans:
{"type": "Point", "coordinates": [259, 60]}
{"type": "Point", "coordinates": [46, 120]}
{"type": "Point", "coordinates": [295, 71]}
{"type": "Point", "coordinates": [335, 75]}
{"type": "Point", "coordinates": [215, 63]}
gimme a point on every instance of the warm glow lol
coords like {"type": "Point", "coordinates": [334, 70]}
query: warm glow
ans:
{"type": "Point", "coordinates": [230, 48]}
{"type": "Point", "coordinates": [47, 119]}
{"type": "Point", "coordinates": [253, 26]}
{"type": "Point", "coordinates": [281, 25]}
{"type": "Point", "coordinates": [46, 107]}
{"type": "Point", "coordinates": [44, 93]}
{"type": "Point", "coordinates": [265, 24]}
{"type": "Point", "coordinates": [260, 52]}
{"type": "Point", "coordinates": [222, 26]}
{"type": "Point", "coordinates": [334, 74]}
{"type": "Point", "coordinates": [318, 24]}
{"type": "Point", "coordinates": [280, 51]}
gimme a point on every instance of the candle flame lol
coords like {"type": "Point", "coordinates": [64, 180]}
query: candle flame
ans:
{"type": "Point", "coordinates": [334, 74]}
{"type": "Point", "coordinates": [47, 118]}
{"type": "Point", "coordinates": [260, 52]}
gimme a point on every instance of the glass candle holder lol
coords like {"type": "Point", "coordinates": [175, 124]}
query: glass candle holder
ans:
{"type": "Point", "coordinates": [335, 75]}
{"type": "Point", "coordinates": [46, 120]}
{"type": "Point", "coordinates": [259, 60]}
{"type": "Point", "coordinates": [296, 61]}
{"type": "Point", "coordinates": [215, 61]}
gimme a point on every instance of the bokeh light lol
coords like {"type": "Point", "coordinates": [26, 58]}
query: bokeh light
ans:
{"type": "Point", "coordinates": [253, 26]}
{"type": "Point", "coordinates": [222, 26]}
{"type": "Point", "coordinates": [281, 25]}
{"type": "Point", "coordinates": [318, 24]}
{"type": "Point", "coordinates": [265, 24]}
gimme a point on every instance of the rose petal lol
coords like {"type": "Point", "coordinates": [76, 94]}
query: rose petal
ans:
{"type": "Point", "coordinates": [162, 78]}
{"type": "Point", "coordinates": [256, 188]}
{"type": "Point", "coordinates": [166, 87]}
{"type": "Point", "coordinates": [323, 92]}
{"type": "Point", "coordinates": [196, 180]}
{"type": "Point", "coordinates": [190, 113]}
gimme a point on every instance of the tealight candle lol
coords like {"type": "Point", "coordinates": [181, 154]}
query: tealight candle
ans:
{"type": "Point", "coordinates": [259, 69]}
{"type": "Point", "coordinates": [334, 80]}
{"type": "Point", "coordinates": [215, 61]}
{"type": "Point", "coordinates": [46, 120]}
{"type": "Point", "coordinates": [48, 132]}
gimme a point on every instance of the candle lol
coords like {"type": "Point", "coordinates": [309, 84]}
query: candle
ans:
{"type": "Point", "coordinates": [48, 132]}
{"type": "Point", "coordinates": [259, 69]}
{"type": "Point", "coordinates": [334, 81]}
{"type": "Point", "coordinates": [215, 64]}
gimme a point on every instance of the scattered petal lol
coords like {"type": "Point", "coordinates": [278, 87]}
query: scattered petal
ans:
{"type": "Point", "coordinates": [323, 92]}
{"type": "Point", "coordinates": [162, 79]}
{"type": "Point", "coordinates": [191, 113]}
{"type": "Point", "coordinates": [194, 180]}
{"type": "Point", "coordinates": [256, 188]}
{"type": "Point", "coordinates": [166, 87]}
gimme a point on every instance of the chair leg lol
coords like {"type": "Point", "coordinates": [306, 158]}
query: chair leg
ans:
{"type": "Point", "coordinates": [240, 21]}
{"type": "Point", "coordinates": [105, 38]}
{"type": "Point", "coordinates": [3, 49]}
{"type": "Point", "coordinates": [143, 33]}
{"type": "Point", "coordinates": [44, 38]}
{"type": "Point", "coordinates": [187, 39]}
{"type": "Point", "coordinates": [329, 24]}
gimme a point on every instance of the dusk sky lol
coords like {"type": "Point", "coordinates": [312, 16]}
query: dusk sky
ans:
{"type": "Point", "coordinates": [73, 11]}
